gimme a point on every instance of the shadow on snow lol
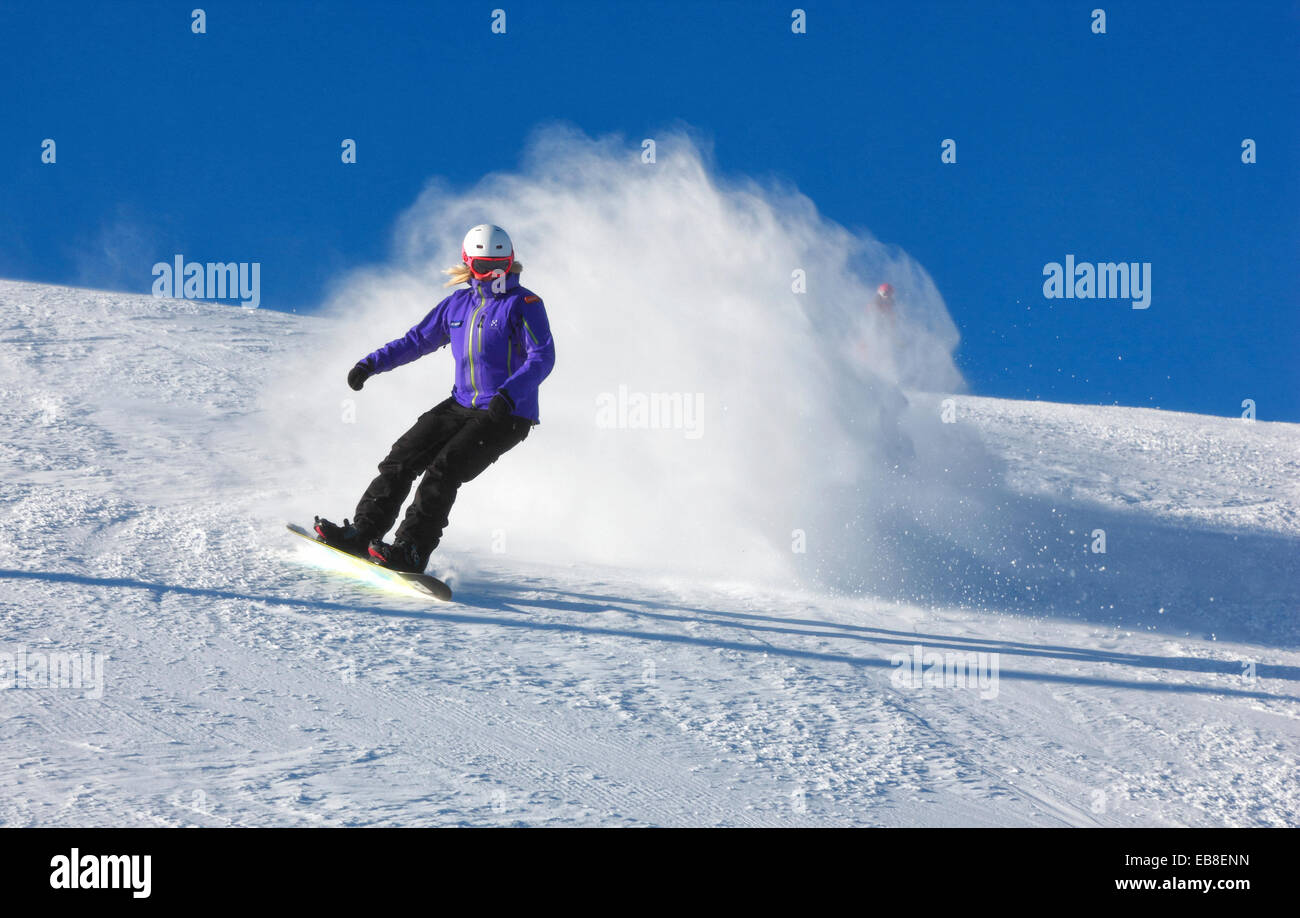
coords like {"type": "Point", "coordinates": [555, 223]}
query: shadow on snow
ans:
{"type": "Point", "coordinates": [507, 608]}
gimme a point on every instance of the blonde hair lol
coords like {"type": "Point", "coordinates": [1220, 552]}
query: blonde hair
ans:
{"type": "Point", "coordinates": [461, 274]}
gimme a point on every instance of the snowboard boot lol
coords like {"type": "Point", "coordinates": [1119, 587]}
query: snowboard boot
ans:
{"type": "Point", "coordinates": [345, 538]}
{"type": "Point", "coordinates": [400, 556]}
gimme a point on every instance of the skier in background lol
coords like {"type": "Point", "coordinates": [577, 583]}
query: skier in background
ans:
{"type": "Point", "coordinates": [501, 345]}
{"type": "Point", "coordinates": [885, 302]}
{"type": "Point", "coordinates": [876, 349]}
{"type": "Point", "coordinates": [875, 346]}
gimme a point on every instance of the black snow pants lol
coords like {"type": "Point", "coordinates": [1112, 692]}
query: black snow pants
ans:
{"type": "Point", "coordinates": [450, 444]}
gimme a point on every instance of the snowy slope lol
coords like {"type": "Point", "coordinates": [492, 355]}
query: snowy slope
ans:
{"type": "Point", "coordinates": [141, 521]}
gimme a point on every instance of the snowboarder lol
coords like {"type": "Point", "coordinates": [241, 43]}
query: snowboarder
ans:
{"type": "Point", "coordinates": [876, 352]}
{"type": "Point", "coordinates": [874, 347]}
{"type": "Point", "coordinates": [501, 344]}
{"type": "Point", "coordinates": [885, 301]}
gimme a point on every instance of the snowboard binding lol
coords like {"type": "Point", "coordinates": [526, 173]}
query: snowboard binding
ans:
{"type": "Point", "coordinates": [345, 538]}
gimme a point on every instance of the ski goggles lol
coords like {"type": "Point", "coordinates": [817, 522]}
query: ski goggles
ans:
{"type": "Point", "coordinates": [487, 267]}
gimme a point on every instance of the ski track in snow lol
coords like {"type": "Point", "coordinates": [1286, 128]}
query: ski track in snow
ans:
{"type": "Point", "coordinates": [244, 686]}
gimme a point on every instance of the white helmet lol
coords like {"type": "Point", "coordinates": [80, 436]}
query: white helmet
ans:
{"type": "Point", "coordinates": [487, 249]}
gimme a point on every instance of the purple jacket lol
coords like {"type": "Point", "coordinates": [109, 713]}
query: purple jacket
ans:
{"type": "Point", "coordinates": [500, 343]}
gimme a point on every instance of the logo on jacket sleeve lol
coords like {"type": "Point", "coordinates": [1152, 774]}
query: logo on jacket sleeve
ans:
{"type": "Point", "coordinates": [531, 298]}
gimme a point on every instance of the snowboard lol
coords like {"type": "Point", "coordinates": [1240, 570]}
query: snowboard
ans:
{"type": "Point", "coordinates": [421, 583]}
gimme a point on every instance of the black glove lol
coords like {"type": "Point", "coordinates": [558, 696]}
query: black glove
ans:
{"type": "Point", "coordinates": [501, 407]}
{"type": "Point", "coordinates": [358, 375]}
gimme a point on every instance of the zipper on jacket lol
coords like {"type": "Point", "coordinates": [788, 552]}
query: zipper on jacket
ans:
{"type": "Point", "coordinates": [482, 303]}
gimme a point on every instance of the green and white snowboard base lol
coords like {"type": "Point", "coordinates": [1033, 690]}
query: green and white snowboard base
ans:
{"type": "Point", "coordinates": [421, 583]}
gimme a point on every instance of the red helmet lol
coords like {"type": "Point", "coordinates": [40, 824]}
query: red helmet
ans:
{"type": "Point", "coordinates": [885, 291]}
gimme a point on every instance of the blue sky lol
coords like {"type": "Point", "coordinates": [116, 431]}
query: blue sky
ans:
{"type": "Point", "coordinates": [1117, 147]}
